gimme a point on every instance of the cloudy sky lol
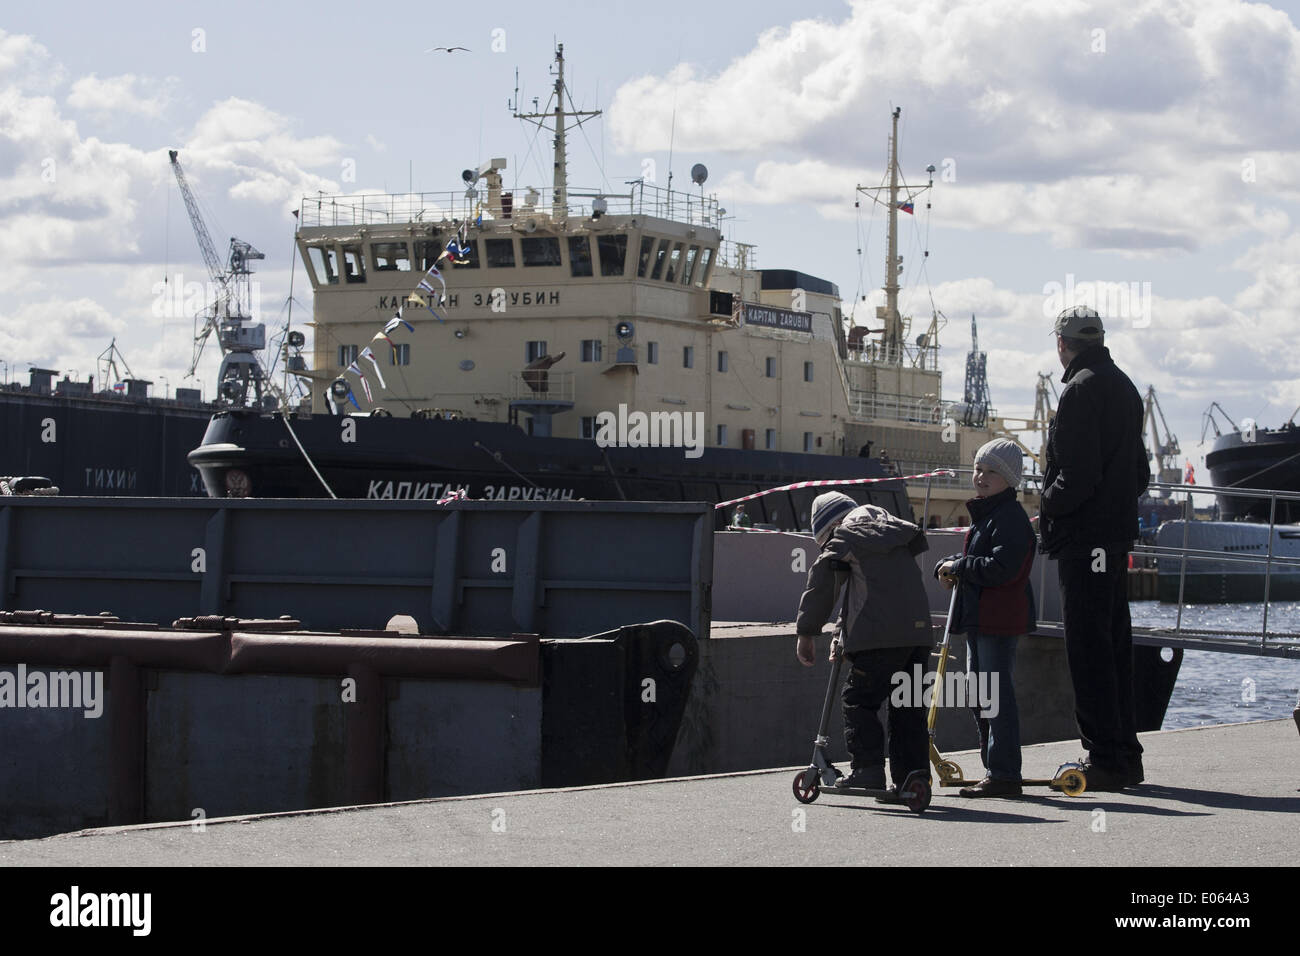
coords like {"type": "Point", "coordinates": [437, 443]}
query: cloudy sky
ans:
{"type": "Point", "coordinates": [1145, 155]}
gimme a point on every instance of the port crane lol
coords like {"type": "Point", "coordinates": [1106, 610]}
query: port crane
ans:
{"type": "Point", "coordinates": [1044, 392]}
{"type": "Point", "coordinates": [106, 365]}
{"type": "Point", "coordinates": [1208, 421]}
{"type": "Point", "coordinates": [977, 401]}
{"type": "Point", "coordinates": [238, 336]}
{"type": "Point", "coordinates": [1163, 453]}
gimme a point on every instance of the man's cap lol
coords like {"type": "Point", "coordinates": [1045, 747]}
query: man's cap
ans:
{"type": "Point", "coordinates": [1079, 322]}
{"type": "Point", "coordinates": [827, 510]}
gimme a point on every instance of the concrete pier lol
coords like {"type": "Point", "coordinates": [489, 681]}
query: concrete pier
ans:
{"type": "Point", "coordinates": [1216, 796]}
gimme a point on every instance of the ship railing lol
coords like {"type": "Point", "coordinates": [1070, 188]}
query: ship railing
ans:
{"type": "Point", "coordinates": [642, 199]}
{"type": "Point", "coordinates": [924, 357]}
{"type": "Point", "coordinates": [1261, 641]}
{"type": "Point", "coordinates": [897, 408]}
{"type": "Point", "coordinates": [542, 386]}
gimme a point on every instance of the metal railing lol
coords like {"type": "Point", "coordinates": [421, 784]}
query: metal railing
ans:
{"type": "Point", "coordinates": [537, 385]}
{"type": "Point", "coordinates": [865, 403]}
{"type": "Point", "coordinates": [896, 408]}
{"type": "Point", "coordinates": [1261, 641]}
{"type": "Point", "coordinates": [387, 208]}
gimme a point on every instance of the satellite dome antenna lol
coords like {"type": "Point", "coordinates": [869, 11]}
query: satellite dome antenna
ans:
{"type": "Point", "coordinates": [699, 173]}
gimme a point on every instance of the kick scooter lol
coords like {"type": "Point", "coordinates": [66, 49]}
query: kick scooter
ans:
{"type": "Point", "coordinates": [914, 794]}
{"type": "Point", "coordinates": [1069, 779]}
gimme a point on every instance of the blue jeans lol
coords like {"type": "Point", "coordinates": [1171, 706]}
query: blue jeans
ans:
{"type": "Point", "coordinates": [990, 656]}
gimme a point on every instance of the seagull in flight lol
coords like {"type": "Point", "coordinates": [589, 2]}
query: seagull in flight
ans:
{"type": "Point", "coordinates": [448, 49]}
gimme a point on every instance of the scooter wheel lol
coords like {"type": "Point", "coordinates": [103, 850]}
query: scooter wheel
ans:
{"type": "Point", "coordinates": [1072, 782]}
{"type": "Point", "coordinates": [805, 787]}
{"type": "Point", "coordinates": [916, 792]}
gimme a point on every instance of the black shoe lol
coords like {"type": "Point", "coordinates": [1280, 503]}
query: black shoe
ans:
{"type": "Point", "coordinates": [991, 787]}
{"type": "Point", "coordinates": [863, 778]}
{"type": "Point", "coordinates": [1102, 780]}
{"type": "Point", "coordinates": [1135, 775]}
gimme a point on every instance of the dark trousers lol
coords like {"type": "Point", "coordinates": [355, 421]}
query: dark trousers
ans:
{"type": "Point", "coordinates": [1099, 648]}
{"type": "Point", "coordinates": [870, 683]}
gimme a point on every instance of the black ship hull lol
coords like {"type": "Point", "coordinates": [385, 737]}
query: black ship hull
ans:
{"type": "Point", "coordinates": [246, 453]}
{"type": "Point", "coordinates": [1265, 458]}
{"type": "Point", "coordinates": [101, 446]}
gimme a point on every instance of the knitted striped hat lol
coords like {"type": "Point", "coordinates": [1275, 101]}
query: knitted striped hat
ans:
{"type": "Point", "coordinates": [827, 510]}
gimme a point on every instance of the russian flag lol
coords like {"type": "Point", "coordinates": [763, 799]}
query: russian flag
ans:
{"type": "Point", "coordinates": [907, 207]}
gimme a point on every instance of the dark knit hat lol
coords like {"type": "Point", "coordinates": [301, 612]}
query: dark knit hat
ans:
{"type": "Point", "coordinates": [827, 510]}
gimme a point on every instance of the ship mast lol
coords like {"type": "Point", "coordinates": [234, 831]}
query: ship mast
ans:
{"type": "Point", "coordinates": [893, 322]}
{"type": "Point", "coordinates": [893, 344]}
{"type": "Point", "coordinates": [560, 116]}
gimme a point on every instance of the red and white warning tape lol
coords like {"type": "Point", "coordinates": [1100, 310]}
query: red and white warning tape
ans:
{"type": "Point", "coordinates": [822, 483]}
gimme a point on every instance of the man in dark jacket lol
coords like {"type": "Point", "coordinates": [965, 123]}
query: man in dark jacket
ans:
{"type": "Point", "coordinates": [1096, 470]}
{"type": "Point", "coordinates": [884, 625]}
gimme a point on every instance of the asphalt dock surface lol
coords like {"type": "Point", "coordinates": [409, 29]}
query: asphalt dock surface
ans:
{"type": "Point", "coordinates": [1215, 796]}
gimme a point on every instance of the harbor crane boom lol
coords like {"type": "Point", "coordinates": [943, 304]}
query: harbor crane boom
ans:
{"type": "Point", "coordinates": [1165, 453]}
{"type": "Point", "coordinates": [238, 336]}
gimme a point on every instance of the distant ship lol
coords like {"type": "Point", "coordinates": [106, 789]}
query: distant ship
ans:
{"type": "Point", "coordinates": [1249, 458]}
{"type": "Point", "coordinates": [1257, 458]}
{"type": "Point", "coordinates": [118, 442]}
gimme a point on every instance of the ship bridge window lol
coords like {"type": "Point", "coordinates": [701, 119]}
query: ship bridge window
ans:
{"type": "Point", "coordinates": [613, 250]}
{"type": "Point", "coordinates": [427, 253]}
{"type": "Point", "coordinates": [430, 252]}
{"type": "Point", "coordinates": [691, 255]}
{"type": "Point", "coordinates": [390, 257]}
{"type": "Point", "coordinates": [355, 263]}
{"type": "Point", "coordinates": [674, 262]}
{"type": "Point", "coordinates": [324, 261]}
{"type": "Point", "coordinates": [579, 256]}
{"type": "Point", "coordinates": [540, 250]}
{"type": "Point", "coordinates": [500, 253]}
{"type": "Point", "coordinates": [661, 255]}
{"type": "Point", "coordinates": [347, 355]}
{"type": "Point", "coordinates": [647, 246]}
{"type": "Point", "coordinates": [400, 354]}
{"type": "Point", "coordinates": [534, 350]}
{"type": "Point", "coordinates": [706, 259]}
{"type": "Point", "coordinates": [470, 259]}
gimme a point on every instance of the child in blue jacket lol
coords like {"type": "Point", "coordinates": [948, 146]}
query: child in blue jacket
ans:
{"type": "Point", "coordinates": [995, 605]}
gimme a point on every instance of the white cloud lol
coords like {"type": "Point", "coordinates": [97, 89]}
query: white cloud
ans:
{"type": "Point", "coordinates": [1130, 140]}
{"type": "Point", "coordinates": [121, 94]}
{"type": "Point", "coordinates": [84, 224]}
